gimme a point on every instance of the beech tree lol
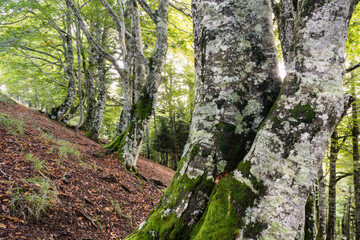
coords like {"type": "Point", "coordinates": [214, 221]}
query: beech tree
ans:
{"type": "Point", "coordinates": [250, 161]}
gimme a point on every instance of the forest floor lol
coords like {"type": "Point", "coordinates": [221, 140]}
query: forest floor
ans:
{"type": "Point", "coordinates": [57, 184]}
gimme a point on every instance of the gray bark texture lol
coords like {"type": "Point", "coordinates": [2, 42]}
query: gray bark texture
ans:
{"type": "Point", "coordinates": [128, 143]}
{"type": "Point", "coordinates": [321, 212]}
{"type": "Point", "coordinates": [355, 140]}
{"type": "Point", "coordinates": [331, 219]}
{"type": "Point", "coordinates": [58, 112]}
{"type": "Point", "coordinates": [230, 183]}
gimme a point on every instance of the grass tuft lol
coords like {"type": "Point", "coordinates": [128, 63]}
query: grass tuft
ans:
{"type": "Point", "coordinates": [13, 125]}
{"type": "Point", "coordinates": [33, 199]}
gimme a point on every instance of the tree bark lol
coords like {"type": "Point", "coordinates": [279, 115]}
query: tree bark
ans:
{"type": "Point", "coordinates": [331, 222]}
{"type": "Point", "coordinates": [58, 112]}
{"type": "Point", "coordinates": [356, 163]}
{"type": "Point", "coordinates": [309, 226]}
{"type": "Point", "coordinates": [321, 222]}
{"type": "Point", "coordinates": [96, 126]}
{"type": "Point", "coordinates": [348, 215]}
{"type": "Point", "coordinates": [128, 143]}
{"type": "Point", "coordinates": [221, 191]}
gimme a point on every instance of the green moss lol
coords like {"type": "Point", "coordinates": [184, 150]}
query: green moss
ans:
{"type": "Point", "coordinates": [168, 226]}
{"type": "Point", "coordinates": [304, 113]}
{"type": "Point", "coordinates": [143, 106]}
{"type": "Point", "coordinates": [226, 210]}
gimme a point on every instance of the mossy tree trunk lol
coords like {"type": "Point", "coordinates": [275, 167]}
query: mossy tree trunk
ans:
{"type": "Point", "coordinates": [58, 112]}
{"type": "Point", "coordinates": [231, 184]}
{"type": "Point", "coordinates": [128, 143]}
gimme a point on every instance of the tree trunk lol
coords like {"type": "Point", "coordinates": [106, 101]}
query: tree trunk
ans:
{"type": "Point", "coordinates": [90, 92]}
{"type": "Point", "coordinates": [95, 129]}
{"type": "Point", "coordinates": [223, 190]}
{"type": "Point", "coordinates": [348, 215]}
{"type": "Point", "coordinates": [128, 143]}
{"type": "Point", "coordinates": [309, 226]}
{"type": "Point", "coordinates": [80, 96]}
{"type": "Point", "coordinates": [331, 222]}
{"type": "Point", "coordinates": [58, 112]}
{"type": "Point", "coordinates": [355, 140]}
{"type": "Point", "coordinates": [321, 222]}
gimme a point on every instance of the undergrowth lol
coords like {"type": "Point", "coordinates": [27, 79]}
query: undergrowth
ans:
{"type": "Point", "coordinates": [63, 148]}
{"type": "Point", "coordinates": [13, 125]}
{"type": "Point", "coordinates": [33, 198]}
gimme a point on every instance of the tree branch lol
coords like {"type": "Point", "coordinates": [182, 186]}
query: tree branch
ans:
{"type": "Point", "coordinates": [46, 74]}
{"type": "Point", "coordinates": [151, 12]}
{"type": "Point", "coordinates": [98, 49]}
{"type": "Point", "coordinates": [343, 175]}
{"type": "Point", "coordinates": [182, 10]}
{"type": "Point", "coordinates": [350, 69]}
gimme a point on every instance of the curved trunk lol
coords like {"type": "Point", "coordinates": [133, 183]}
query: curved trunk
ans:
{"type": "Point", "coordinates": [58, 112]}
{"type": "Point", "coordinates": [128, 143]}
{"type": "Point", "coordinates": [219, 190]}
{"type": "Point", "coordinates": [217, 141]}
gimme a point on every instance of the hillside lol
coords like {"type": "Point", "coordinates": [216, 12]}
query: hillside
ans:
{"type": "Point", "coordinates": [57, 184]}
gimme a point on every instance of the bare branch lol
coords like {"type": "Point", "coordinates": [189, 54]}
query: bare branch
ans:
{"type": "Point", "coordinates": [45, 73]}
{"type": "Point", "coordinates": [98, 49]}
{"type": "Point", "coordinates": [151, 12]}
{"type": "Point", "coordinates": [350, 69]}
{"type": "Point", "coordinates": [182, 10]}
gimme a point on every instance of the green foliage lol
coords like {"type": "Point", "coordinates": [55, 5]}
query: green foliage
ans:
{"type": "Point", "coordinates": [33, 199]}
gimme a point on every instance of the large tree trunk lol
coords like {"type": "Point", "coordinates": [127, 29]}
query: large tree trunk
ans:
{"type": "Point", "coordinates": [331, 220]}
{"type": "Point", "coordinates": [220, 191]}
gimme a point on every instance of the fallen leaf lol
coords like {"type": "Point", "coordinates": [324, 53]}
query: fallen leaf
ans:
{"type": "Point", "coordinates": [2, 225]}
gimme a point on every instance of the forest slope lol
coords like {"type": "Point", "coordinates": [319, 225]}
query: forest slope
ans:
{"type": "Point", "coordinates": [84, 191]}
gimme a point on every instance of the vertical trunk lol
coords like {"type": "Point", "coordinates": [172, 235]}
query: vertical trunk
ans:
{"type": "Point", "coordinates": [37, 106]}
{"type": "Point", "coordinates": [58, 112]}
{"type": "Point", "coordinates": [355, 140]}
{"type": "Point", "coordinates": [230, 57]}
{"type": "Point", "coordinates": [147, 143]}
{"type": "Point", "coordinates": [90, 92]}
{"type": "Point", "coordinates": [128, 143]}
{"type": "Point", "coordinates": [348, 215]}
{"type": "Point", "coordinates": [321, 222]}
{"type": "Point", "coordinates": [331, 222]}
{"type": "Point", "coordinates": [309, 226]}
{"type": "Point", "coordinates": [95, 129]}
{"type": "Point", "coordinates": [221, 191]}
{"type": "Point", "coordinates": [78, 43]}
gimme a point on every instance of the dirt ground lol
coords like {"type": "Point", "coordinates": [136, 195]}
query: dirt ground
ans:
{"type": "Point", "coordinates": [96, 197]}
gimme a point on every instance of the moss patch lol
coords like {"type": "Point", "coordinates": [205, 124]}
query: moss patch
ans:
{"type": "Point", "coordinates": [304, 113]}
